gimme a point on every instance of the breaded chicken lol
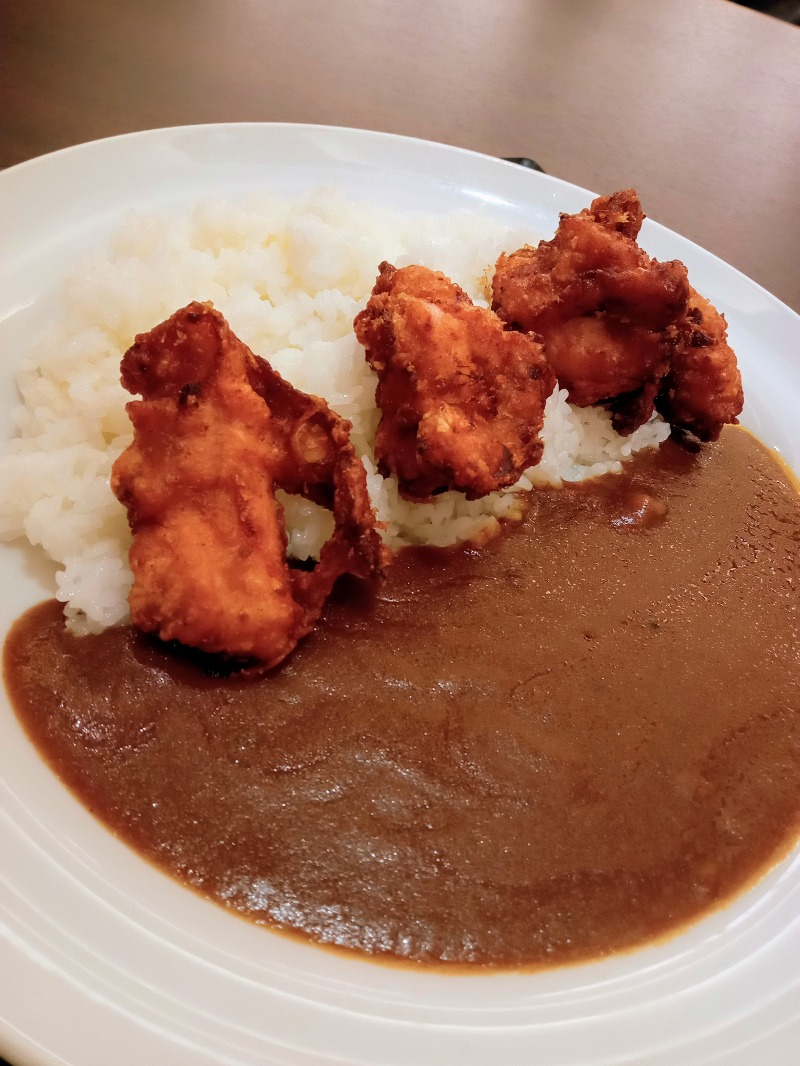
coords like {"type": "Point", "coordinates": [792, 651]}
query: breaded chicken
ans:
{"type": "Point", "coordinates": [216, 432]}
{"type": "Point", "coordinates": [619, 327]}
{"type": "Point", "coordinates": [462, 400]}
{"type": "Point", "coordinates": [702, 391]}
{"type": "Point", "coordinates": [606, 311]}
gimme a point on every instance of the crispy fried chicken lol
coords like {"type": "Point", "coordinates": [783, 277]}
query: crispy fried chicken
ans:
{"type": "Point", "coordinates": [702, 391]}
{"type": "Point", "coordinates": [462, 400]}
{"type": "Point", "coordinates": [216, 432]}
{"type": "Point", "coordinates": [619, 327]}
{"type": "Point", "coordinates": [605, 310]}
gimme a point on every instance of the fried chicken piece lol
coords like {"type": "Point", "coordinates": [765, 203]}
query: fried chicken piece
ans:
{"type": "Point", "coordinates": [462, 400]}
{"type": "Point", "coordinates": [703, 390]}
{"type": "Point", "coordinates": [216, 432]}
{"type": "Point", "coordinates": [621, 211]}
{"type": "Point", "coordinates": [607, 313]}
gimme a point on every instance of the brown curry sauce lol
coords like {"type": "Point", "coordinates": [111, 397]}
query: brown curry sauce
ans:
{"type": "Point", "coordinates": [571, 741]}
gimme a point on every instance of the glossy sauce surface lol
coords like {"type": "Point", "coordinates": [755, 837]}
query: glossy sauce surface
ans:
{"type": "Point", "coordinates": [566, 743]}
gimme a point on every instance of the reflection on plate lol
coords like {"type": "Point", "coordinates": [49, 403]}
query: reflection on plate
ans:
{"type": "Point", "coordinates": [105, 960]}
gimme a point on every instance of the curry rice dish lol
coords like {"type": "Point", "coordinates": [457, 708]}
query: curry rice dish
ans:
{"type": "Point", "coordinates": [536, 749]}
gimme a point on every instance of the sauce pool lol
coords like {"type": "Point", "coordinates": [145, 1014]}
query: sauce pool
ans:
{"type": "Point", "coordinates": [571, 741]}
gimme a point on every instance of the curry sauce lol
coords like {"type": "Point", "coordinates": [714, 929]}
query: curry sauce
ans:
{"type": "Point", "coordinates": [572, 740]}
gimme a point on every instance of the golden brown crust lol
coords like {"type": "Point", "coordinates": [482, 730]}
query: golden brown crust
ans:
{"type": "Point", "coordinates": [217, 431]}
{"type": "Point", "coordinates": [462, 400]}
{"type": "Point", "coordinates": [618, 327]}
{"type": "Point", "coordinates": [703, 390]}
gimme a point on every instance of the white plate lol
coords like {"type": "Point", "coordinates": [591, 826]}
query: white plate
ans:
{"type": "Point", "coordinates": [105, 960]}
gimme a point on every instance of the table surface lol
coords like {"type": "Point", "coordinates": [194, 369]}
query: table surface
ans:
{"type": "Point", "coordinates": [696, 103]}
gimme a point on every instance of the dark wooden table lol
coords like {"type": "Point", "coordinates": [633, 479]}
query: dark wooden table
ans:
{"type": "Point", "coordinates": [696, 103]}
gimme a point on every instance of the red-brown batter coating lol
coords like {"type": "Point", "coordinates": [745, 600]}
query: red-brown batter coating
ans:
{"type": "Point", "coordinates": [702, 391]}
{"type": "Point", "coordinates": [619, 327]}
{"type": "Point", "coordinates": [462, 400]}
{"type": "Point", "coordinates": [216, 432]}
{"type": "Point", "coordinates": [569, 741]}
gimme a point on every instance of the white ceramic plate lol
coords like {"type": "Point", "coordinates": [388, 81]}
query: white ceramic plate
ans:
{"type": "Point", "coordinates": [104, 960]}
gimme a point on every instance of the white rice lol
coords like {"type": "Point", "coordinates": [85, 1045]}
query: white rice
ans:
{"type": "Point", "coordinates": [289, 276]}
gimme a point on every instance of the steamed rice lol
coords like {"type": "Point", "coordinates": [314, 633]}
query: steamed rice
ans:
{"type": "Point", "coordinates": [289, 276]}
